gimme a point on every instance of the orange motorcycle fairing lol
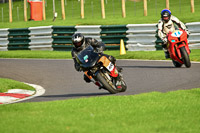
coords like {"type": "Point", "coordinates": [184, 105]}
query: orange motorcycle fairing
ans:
{"type": "Point", "coordinates": [109, 65]}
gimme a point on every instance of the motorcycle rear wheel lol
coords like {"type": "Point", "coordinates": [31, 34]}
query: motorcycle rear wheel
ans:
{"type": "Point", "coordinates": [185, 57]}
{"type": "Point", "coordinates": [101, 77]}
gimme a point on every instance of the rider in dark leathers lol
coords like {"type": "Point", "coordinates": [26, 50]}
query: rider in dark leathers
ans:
{"type": "Point", "coordinates": [80, 42]}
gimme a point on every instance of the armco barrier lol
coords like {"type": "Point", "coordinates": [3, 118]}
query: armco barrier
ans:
{"type": "Point", "coordinates": [18, 39]}
{"type": "Point", "coordinates": [112, 34]}
{"type": "Point", "coordinates": [41, 38]}
{"type": "Point", "coordinates": [90, 31]}
{"type": "Point", "coordinates": [41, 43]}
{"type": "Point", "coordinates": [194, 38]}
{"type": "Point", "coordinates": [141, 37]}
{"type": "Point", "coordinates": [193, 27]}
{"type": "Point", "coordinates": [194, 41]}
{"type": "Point", "coordinates": [62, 37]}
{"type": "Point", "coordinates": [136, 37]}
{"type": "Point", "coordinates": [4, 39]}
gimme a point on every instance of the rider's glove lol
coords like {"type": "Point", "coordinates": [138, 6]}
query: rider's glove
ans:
{"type": "Point", "coordinates": [164, 40]}
{"type": "Point", "coordinates": [188, 33]}
{"type": "Point", "coordinates": [99, 50]}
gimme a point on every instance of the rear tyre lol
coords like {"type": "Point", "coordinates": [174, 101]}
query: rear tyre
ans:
{"type": "Point", "coordinates": [101, 77]}
{"type": "Point", "coordinates": [185, 57]}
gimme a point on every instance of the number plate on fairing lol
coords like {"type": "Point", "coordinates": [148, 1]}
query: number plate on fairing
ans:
{"type": "Point", "coordinates": [110, 67]}
{"type": "Point", "coordinates": [177, 33]}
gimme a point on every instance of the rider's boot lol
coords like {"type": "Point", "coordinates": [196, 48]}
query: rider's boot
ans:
{"type": "Point", "coordinates": [166, 53]}
{"type": "Point", "coordinates": [87, 80]}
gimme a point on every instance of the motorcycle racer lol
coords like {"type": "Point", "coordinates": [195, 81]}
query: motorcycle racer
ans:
{"type": "Point", "coordinates": [80, 43]}
{"type": "Point", "coordinates": [167, 24]}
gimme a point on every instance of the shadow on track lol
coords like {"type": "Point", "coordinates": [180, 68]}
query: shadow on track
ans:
{"type": "Point", "coordinates": [76, 95]}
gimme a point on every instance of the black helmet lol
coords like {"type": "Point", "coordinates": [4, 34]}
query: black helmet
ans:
{"type": "Point", "coordinates": [78, 40]}
{"type": "Point", "coordinates": [165, 15]}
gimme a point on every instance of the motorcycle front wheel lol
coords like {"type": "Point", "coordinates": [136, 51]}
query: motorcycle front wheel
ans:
{"type": "Point", "coordinates": [176, 64]}
{"type": "Point", "coordinates": [124, 86]}
{"type": "Point", "coordinates": [102, 78]}
{"type": "Point", "coordinates": [185, 57]}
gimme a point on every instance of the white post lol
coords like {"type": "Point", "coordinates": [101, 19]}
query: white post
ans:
{"type": "Point", "coordinates": [2, 14]}
{"type": "Point", "coordinates": [18, 13]}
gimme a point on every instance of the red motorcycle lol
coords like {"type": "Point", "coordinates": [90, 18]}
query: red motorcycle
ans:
{"type": "Point", "coordinates": [178, 48]}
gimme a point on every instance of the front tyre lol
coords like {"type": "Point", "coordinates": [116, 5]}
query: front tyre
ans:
{"type": "Point", "coordinates": [176, 64]}
{"type": "Point", "coordinates": [185, 57]}
{"type": "Point", "coordinates": [124, 86]}
{"type": "Point", "coordinates": [102, 78]}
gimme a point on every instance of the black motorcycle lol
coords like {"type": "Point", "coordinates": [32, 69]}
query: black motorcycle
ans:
{"type": "Point", "coordinates": [100, 70]}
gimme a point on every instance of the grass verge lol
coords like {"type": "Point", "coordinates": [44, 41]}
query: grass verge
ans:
{"type": "Point", "coordinates": [6, 84]}
{"type": "Point", "coordinates": [148, 55]}
{"type": "Point", "coordinates": [172, 112]}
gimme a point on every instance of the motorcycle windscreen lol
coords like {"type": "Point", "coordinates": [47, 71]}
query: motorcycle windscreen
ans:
{"type": "Point", "coordinates": [87, 58]}
{"type": "Point", "coordinates": [177, 33]}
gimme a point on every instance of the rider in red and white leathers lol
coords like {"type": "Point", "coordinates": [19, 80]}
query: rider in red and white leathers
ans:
{"type": "Point", "coordinates": [167, 24]}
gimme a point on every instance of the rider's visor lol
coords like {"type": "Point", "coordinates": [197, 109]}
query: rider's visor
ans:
{"type": "Point", "coordinates": [78, 44]}
{"type": "Point", "coordinates": [165, 18]}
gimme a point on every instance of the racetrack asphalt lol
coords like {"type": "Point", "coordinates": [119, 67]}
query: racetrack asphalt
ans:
{"type": "Point", "coordinates": [61, 81]}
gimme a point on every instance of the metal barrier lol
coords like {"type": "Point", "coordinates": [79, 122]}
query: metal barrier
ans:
{"type": "Point", "coordinates": [41, 38]}
{"type": "Point", "coordinates": [193, 27]}
{"type": "Point", "coordinates": [90, 31]}
{"type": "Point", "coordinates": [18, 39]}
{"type": "Point", "coordinates": [62, 37]}
{"type": "Point", "coordinates": [141, 37]}
{"type": "Point", "coordinates": [194, 38]}
{"type": "Point", "coordinates": [136, 37]}
{"type": "Point", "coordinates": [112, 34]}
{"type": "Point", "coordinates": [4, 39]}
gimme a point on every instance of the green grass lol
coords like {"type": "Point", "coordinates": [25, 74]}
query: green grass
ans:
{"type": "Point", "coordinates": [153, 55]}
{"type": "Point", "coordinates": [171, 112]}
{"type": "Point", "coordinates": [149, 55]}
{"type": "Point", "coordinates": [134, 13]}
{"type": "Point", "coordinates": [35, 54]}
{"type": "Point", "coordinates": [6, 84]}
